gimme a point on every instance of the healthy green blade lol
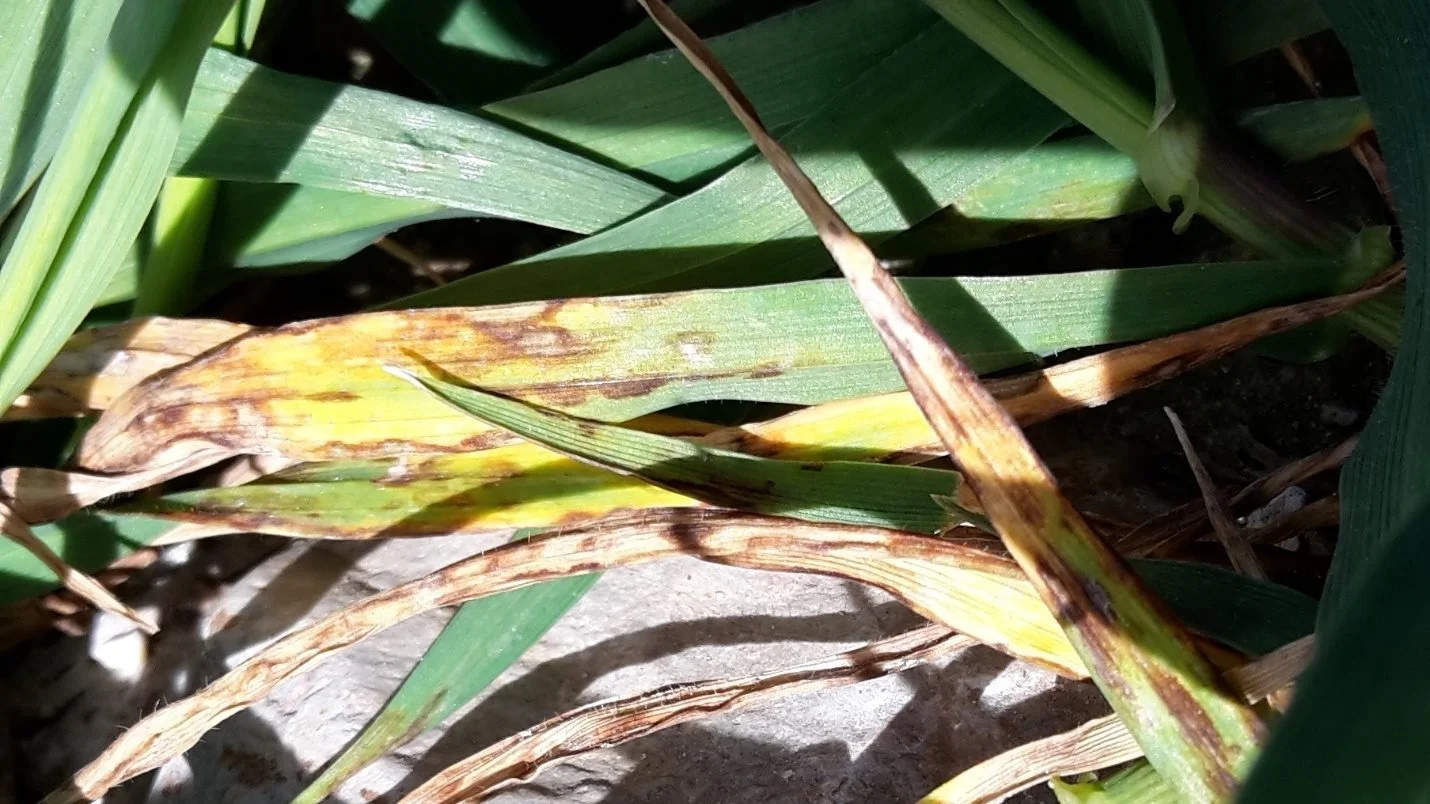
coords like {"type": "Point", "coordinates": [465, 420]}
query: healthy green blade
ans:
{"type": "Point", "coordinates": [93, 199]}
{"type": "Point", "coordinates": [468, 51]}
{"type": "Point", "coordinates": [48, 50]}
{"type": "Point", "coordinates": [1232, 30]}
{"type": "Point", "coordinates": [1057, 184]}
{"type": "Point", "coordinates": [1066, 182]}
{"type": "Point", "coordinates": [794, 64]}
{"type": "Point", "coordinates": [637, 41]}
{"type": "Point", "coordinates": [250, 123]}
{"type": "Point", "coordinates": [265, 225]}
{"type": "Point", "coordinates": [183, 212]}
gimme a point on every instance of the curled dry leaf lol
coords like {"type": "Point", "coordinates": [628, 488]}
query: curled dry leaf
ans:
{"type": "Point", "coordinates": [977, 594]}
{"type": "Point", "coordinates": [606, 723]}
{"type": "Point", "coordinates": [1095, 744]}
{"type": "Point", "coordinates": [98, 365]}
{"type": "Point", "coordinates": [1142, 659]}
{"type": "Point", "coordinates": [42, 495]}
{"type": "Point", "coordinates": [1105, 742]}
{"type": "Point", "coordinates": [81, 584]}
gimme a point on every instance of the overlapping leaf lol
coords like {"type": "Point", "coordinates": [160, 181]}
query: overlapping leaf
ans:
{"type": "Point", "coordinates": [47, 52]}
{"type": "Point", "coordinates": [73, 230]}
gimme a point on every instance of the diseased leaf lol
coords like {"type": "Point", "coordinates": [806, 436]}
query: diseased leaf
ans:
{"type": "Point", "coordinates": [1141, 658]}
{"type": "Point", "coordinates": [520, 485]}
{"type": "Point", "coordinates": [1094, 745]}
{"type": "Point", "coordinates": [317, 390]}
{"type": "Point", "coordinates": [1136, 784]}
{"type": "Point", "coordinates": [882, 495]}
{"type": "Point", "coordinates": [978, 594]}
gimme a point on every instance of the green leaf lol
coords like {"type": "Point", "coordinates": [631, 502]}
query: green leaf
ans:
{"type": "Point", "coordinates": [467, 51]}
{"type": "Point", "coordinates": [89, 207]}
{"type": "Point", "coordinates": [48, 50]}
{"type": "Point", "coordinates": [183, 212]}
{"type": "Point", "coordinates": [1360, 719]}
{"type": "Point", "coordinates": [263, 225]}
{"type": "Point", "coordinates": [481, 641]}
{"type": "Point", "coordinates": [639, 40]}
{"type": "Point", "coordinates": [1232, 30]}
{"type": "Point", "coordinates": [1071, 181]}
{"type": "Point", "coordinates": [1253, 617]}
{"type": "Point", "coordinates": [1177, 160]}
{"type": "Point", "coordinates": [250, 123]}
{"type": "Point", "coordinates": [1388, 477]}
{"type": "Point", "coordinates": [910, 136]}
{"type": "Point", "coordinates": [792, 65]}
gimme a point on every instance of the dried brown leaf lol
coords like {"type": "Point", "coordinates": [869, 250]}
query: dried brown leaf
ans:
{"type": "Point", "coordinates": [1104, 742]}
{"type": "Point", "coordinates": [606, 723]}
{"type": "Point", "coordinates": [1164, 534]}
{"type": "Point", "coordinates": [1238, 549]}
{"type": "Point", "coordinates": [1095, 744]}
{"type": "Point", "coordinates": [72, 579]}
{"type": "Point", "coordinates": [967, 590]}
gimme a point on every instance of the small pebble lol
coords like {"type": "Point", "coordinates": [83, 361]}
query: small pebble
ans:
{"type": "Point", "coordinates": [1338, 415]}
{"type": "Point", "coordinates": [1287, 502]}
